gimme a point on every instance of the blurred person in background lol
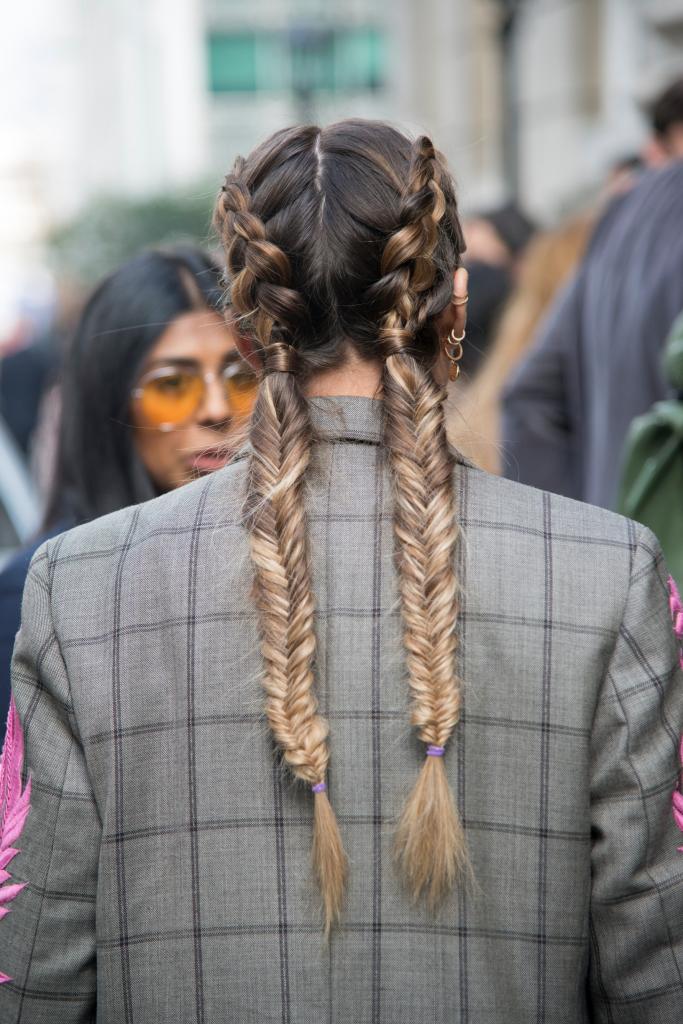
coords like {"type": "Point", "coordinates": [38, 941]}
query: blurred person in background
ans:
{"type": "Point", "coordinates": [277, 721]}
{"type": "Point", "coordinates": [474, 408]}
{"type": "Point", "coordinates": [665, 114]}
{"type": "Point", "coordinates": [596, 363]}
{"type": "Point", "coordinates": [30, 365]}
{"type": "Point", "coordinates": [548, 262]}
{"type": "Point", "coordinates": [25, 376]}
{"type": "Point", "coordinates": [154, 394]}
{"type": "Point", "coordinates": [496, 241]}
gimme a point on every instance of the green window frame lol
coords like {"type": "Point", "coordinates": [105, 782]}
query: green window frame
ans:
{"type": "Point", "coordinates": [322, 60]}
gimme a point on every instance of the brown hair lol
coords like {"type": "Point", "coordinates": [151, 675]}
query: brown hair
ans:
{"type": "Point", "coordinates": [666, 109]}
{"type": "Point", "coordinates": [337, 238]}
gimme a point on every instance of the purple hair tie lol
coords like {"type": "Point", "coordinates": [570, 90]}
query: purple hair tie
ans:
{"type": "Point", "coordinates": [434, 751]}
{"type": "Point", "coordinates": [319, 787]}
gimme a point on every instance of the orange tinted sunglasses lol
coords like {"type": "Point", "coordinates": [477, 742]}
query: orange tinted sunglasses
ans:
{"type": "Point", "coordinates": [168, 397]}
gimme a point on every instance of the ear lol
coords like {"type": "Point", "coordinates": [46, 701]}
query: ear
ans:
{"type": "Point", "coordinates": [458, 306]}
{"type": "Point", "coordinates": [453, 319]}
{"type": "Point", "coordinates": [245, 346]}
{"type": "Point", "coordinates": [454, 316]}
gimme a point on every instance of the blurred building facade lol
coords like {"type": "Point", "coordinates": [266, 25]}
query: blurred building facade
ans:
{"type": "Point", "coordinates": [136, 97]}
{"type": "Point", "coordinates": [275, 62]}
{"type": "Point", "coordinates": [582, 70]}
{"type": "Point", "coordinates": [535, 97]}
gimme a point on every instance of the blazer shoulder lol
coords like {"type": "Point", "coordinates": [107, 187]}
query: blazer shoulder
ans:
{"type": "Point", "coordinates": [176, 513]}
{"type": "Point", "coordinates": [505, 505]}
{"type": "Point", "coordinates": [537, 556]}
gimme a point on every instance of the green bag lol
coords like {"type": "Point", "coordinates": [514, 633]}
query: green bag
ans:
{"type": "Point", "coordinates": [651, 488]}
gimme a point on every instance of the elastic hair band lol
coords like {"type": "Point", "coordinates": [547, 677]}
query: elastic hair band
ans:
{"type": "Point", "coordinates": [393, 345]}
{"type": "Point", "coordinates": [434, 751]}
{"type": "Point", "coordinates": [279, 358]}
{"type": "Point", "coordinates": [319, 787]}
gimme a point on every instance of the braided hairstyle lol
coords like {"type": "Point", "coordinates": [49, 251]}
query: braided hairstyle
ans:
{"type": "Point", "coordinates": [344, 238]}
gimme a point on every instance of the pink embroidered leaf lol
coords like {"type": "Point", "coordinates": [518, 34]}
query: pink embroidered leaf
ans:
{"type": "Point", "coordinates": [6, 856]}
{"type": "Point", "coordinates": [678, 802]}
{"type": "Point", "coordinates": [14, 807]}
{"type": "Point", "coordinates": [8, 892]}
{"type": "Point", "coordinates": [675, 603]}
{"type": "Point", "coordinates": [676, 608]}
{"type": "Point", "coordinates": [678, 812]}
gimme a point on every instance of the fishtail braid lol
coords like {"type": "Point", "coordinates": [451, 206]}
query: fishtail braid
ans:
{"type": "Point", "coordinates": [280, 437]}
{"type": "Point", "coordinates": [430, 846]}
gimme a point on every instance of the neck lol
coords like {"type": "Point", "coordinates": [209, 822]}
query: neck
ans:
{"type": "Point", "coordinates": [355, 377]}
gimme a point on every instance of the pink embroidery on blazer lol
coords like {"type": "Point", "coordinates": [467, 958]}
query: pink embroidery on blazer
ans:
{"type": "Point", "coordinates": [676, 606]}
{"type": "Point", "coordinates": [678, 803]}
{"type": "Point", "coordinates": [14, 807]}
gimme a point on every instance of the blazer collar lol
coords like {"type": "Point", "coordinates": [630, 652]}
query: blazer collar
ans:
{"type": "Point", "coordinates": [355, 419]}
{"type": "Point", "coordinates": [347, 419]}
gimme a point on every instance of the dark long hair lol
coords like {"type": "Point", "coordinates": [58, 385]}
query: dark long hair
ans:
{"type": "Point", "coordinates": [98, 469]}
{"type": "Point", "coordinates": [348, 236]}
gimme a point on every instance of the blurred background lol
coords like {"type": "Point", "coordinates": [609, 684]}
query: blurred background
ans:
{"type": "Point", "coordinates": [119, 118]}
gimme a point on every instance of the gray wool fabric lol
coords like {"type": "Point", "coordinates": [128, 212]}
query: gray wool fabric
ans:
{"type": "Point", "coordinates": [167, 853]}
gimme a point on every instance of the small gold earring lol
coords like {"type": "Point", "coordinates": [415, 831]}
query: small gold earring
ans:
{"type": "Point", "coordinates": [453, 350]}
{"type": "Point", "coordinates": [455, 301]}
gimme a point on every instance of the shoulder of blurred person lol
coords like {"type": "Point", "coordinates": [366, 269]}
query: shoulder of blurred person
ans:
{"type": "Point", "coordinates": [24, 377]}
{"type": "Point", "coordinates": [12, 579]}
{"type": "Point", "coordinates": [594, 363]}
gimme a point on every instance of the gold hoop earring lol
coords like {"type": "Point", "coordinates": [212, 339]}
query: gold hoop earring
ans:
{"type": "Point", "coordinates": [453, 351]}
{"type": "Point", "coordinates": [460, 302]}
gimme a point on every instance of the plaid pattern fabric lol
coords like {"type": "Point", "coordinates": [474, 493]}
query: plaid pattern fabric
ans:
{"type": "Point", "coordinates": [167, 854]}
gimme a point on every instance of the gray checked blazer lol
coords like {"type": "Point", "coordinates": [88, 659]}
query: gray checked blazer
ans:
{"type": "Point", "coordinates": [167, 855]}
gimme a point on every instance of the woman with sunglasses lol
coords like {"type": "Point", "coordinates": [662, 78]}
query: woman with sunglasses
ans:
{"type": "Point", "coordinates": [349, 731]}
{"type": "Point", "coordinates": [154, 394]}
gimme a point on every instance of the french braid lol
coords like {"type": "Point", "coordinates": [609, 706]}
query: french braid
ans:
{"type": "Point", "coordinates": [281, 439]}
{"type": "Point", "coordinates": [430, 844]}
